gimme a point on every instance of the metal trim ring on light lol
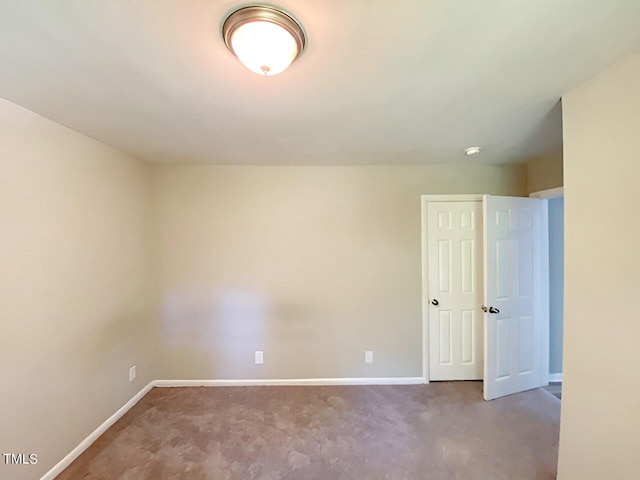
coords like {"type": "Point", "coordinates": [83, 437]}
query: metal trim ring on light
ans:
{"type": "Point", "coordinates": [263, 13]}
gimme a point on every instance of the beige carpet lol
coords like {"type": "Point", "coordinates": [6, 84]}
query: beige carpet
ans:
{"type": "Point", "coordinates": [437, 431]}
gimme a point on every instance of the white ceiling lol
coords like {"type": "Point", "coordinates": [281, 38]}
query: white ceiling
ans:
{"type": "Point", "coordinates": [381, 81]}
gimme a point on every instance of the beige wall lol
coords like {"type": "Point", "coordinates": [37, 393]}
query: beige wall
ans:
{"type": "Point", "coordinates": [312, 265]}
{"type": "Point", "coordinates": [600, 428]}
{"type": "Point", "coordinates": [544, 173]}
{"type": "Point", "coordinates": [74, 293]}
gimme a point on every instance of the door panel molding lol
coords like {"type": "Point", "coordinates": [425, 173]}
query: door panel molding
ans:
{"type": "Point", "coordinates": [514, 340]}
{"type": "Point", "coordinates": [453, 271]}
{"type": "Point", "coordinates": [424, 202]}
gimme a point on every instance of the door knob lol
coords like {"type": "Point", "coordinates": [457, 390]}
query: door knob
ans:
{"type": "Point", "coordinates": [435, 302]}
{"type": "Point", "coordinates": [490, 309]}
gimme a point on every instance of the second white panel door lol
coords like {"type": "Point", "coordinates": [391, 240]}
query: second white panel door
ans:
{"type": "Point", "coordinates": [455, 290]}
{"type": "Point", "coordinates": [512, 288]}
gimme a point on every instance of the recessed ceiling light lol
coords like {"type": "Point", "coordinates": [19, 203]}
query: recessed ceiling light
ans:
{"type": "Point", "coordinates": [472, 151]}
{"type": "Point", "coordinates": [265, 39]}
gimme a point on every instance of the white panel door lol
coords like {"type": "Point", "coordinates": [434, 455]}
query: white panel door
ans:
{"type": "Point", "coordinates": [455, 290]}
{"type": "Point", "coordinates": [512, 282]}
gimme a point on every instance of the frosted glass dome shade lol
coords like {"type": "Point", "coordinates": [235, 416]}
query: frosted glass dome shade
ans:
{"type": "Point", "coordinates": [266, 40]}
{"type": "Point", "coordinates": [264, 48]}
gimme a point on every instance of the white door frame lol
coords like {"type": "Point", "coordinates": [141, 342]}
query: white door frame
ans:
{"type": "Point", "coordinates": [425, 199]}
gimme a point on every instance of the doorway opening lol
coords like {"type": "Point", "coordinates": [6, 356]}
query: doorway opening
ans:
{"type": "Point", "coordinates": [554, 199]}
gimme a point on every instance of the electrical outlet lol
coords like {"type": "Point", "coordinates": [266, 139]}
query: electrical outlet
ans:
{"type": "Point", "coordinates": [132, 373]}
{"type": "Point", "coordinates": [259, 357]}
{"type": "Point", "coordinates": [368, 356]}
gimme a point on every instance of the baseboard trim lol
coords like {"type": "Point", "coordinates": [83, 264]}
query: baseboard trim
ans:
{"type": "Point", "coordinates": [291, 382]}
{"type": "Point", "coordinates": [93, 436]}
{"type": "Point", "coordinates": [555, 377]}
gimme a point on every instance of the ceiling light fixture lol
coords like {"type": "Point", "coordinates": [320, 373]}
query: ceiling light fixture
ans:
{"type": "Point", "coordinates": [265, 39]}
{"type": "Point", "coordinates": [472, 151]}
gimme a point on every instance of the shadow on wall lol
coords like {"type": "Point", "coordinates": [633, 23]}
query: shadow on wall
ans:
{"type": "Point", "coordinates": [117, 340]}
{"type": "Point", "coordinates": [227, 325]}
{"type": "Point", "coordinates": [548, 131]}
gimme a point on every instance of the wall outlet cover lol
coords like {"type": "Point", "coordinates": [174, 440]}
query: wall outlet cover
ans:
{"type": "Point", "coordinates": [132, 373]}
{"type": "Point", "coordinates": [259, 357]}
{"type": "Point", "coordinates": [368, 356]}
